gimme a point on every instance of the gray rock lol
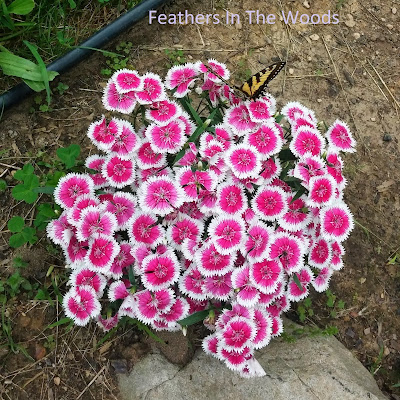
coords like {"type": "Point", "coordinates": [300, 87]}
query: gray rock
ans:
{"type": "Point", "coordinates": [312, 368]}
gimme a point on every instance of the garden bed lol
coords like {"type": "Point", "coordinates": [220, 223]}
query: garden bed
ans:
{"type": "Point", "coordinates": [337, 73]}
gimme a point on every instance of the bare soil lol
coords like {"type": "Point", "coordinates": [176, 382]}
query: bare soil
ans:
{"type": "Point", "coordinates": [350, 71]}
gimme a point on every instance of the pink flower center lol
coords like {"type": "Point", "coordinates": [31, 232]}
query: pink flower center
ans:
{"type": "Point", "coordinates": [214, 258]}
{"type": "Point", "coordinates": [244, 159]}
{"type": "Point", "coordinates": [129, 80]}
{"type": "Point", "coordinates": [161, 195]}
{"type": "Point", "coordinates": [74, 190]}
{"type": "Point", "coordinates": [321, 191]}
{"type": "Point", "coordinates": [231, 199]}
{"type": "Point", "coordinates": [99, 251]}
{"type": "Point", "coordinates": [337, 221]}
{"type": "Point", "coordinates": [119, 169]}
{"type": "Point", "coordinates": [270, 203]}
{"type": "Point", "coordinates": [238, 336]}
{"type": "Point", "coordinates": [228, 233]}
{"type": "Point", "coordinates": [160, 271]}
{"type": "Point", "coordinates": [266, 272]}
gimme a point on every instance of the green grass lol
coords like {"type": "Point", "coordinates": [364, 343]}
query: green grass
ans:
{"type": "Point", "coordinates": [56, 26]}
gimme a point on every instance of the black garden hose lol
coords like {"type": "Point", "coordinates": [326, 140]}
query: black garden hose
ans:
{"type": "Point", "coordinates": [75, 56]}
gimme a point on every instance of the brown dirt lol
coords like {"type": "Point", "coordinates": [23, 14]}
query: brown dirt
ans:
{"type": "Point", "coordinates": [339, 84]}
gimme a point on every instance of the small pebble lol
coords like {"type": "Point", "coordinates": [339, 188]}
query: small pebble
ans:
{"type": "Point", "coordinates": [350, 21]}
{"type": "Point", "coordinates": [309, 58]}
{"type": "Point", "coordinates": [291, 71]}
{"type": "Point", "coordinates": [383, 19]}
{"type": "Point", "coordinates": [367, 331]}
{"type": "Point", "coordinates": [356, 35]}
{"type": "Point", "coordinates": [350, 333]}
{"type": "Point", "coordinates": [394, 10]}
{"type": "Point", "coordinates": [390, 26]}
{"type": "Point", "coordinates": [306, 4]}
{"type": "Point", "coordinates": [387, 137]}
{"type": "Point", "coordinates": [314, 36]}
{"type": "Point", "coordinates": [373, 119]}
{"type": "Point", "coordinates": [57, 380]}
{"type": "Point", "coordinates": [386, 351]}
{"type": "Point", "coordinates": [319, 100]}
{"type": "Point", "coordinates": [175, 39]}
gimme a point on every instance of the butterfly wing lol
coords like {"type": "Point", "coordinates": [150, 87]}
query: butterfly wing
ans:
{"type": "Point", "coordinates": [256, 85]}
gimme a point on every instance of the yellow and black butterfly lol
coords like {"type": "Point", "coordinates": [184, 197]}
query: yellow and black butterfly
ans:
{"type": "Point", "coordinates": [256, 85]}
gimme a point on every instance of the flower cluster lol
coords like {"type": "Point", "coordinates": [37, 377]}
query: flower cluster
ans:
{"type": "Point", "coordinates": [239, 212]}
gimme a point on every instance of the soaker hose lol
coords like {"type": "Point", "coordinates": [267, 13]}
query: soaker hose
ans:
{"type": "Point", "coordinates": [75, 56]}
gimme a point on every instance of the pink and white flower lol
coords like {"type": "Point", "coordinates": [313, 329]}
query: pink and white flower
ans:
{"type": "Point", "coordinates": [153, 89]}
{"type": "Point", "coordinates": [237, 334]}
{"type": "Point", "coordinates": [297, 216]}
{"type": "Point", "coordinates": [182, 77]}
{"type": "Point", "coordinates": [163, 112]}
{"type": "Point", "coordinates": [101, 253]}
{"type": "Point", "coordinates": [288, 250]}
{"type": "Point", "coordinates": [160, 271]}
{"type": "Point", "coordinates": [119, 170]}
{"type": "Point", "coordinates": [127, 141]}
{"type": "Point", "coordinates": [336, 222]}
{"type": "Point", "coordinates": [122, 260]}
{"type": "Point", "coordinates": [184, 228]}
{"type": "Point", "coordinates": [96, 162]}
{"type": "Point", "coordinates": [320, 254]}
{"type": "Point", "coordinates": [244, 161]}
{"type": "Point", "coordinates": [211, 262]}
{"type": "Point", "coordinates": [150, 304]}
{"type": "Point", "coordinates": [219, 68]}
{"type": "Point", "coordinates": [263, 325]}
{"type": "Point", "coordinates": [260, 110]}
{"type": "Point", "coordinates": [321, 191]}
{"type": "Point", "coordinates": [122, 205]}
{"type": "Point", "coordinates": [147, 158]}
{"type": "Point", "coordinates": [144, 228]}
{"type": "Point", "coordinates": [266, 275]}
{"type": "Point", "coordinates": [266, 140]}
{"type": "Point", "coordinates": [117, 291]}
{"type": "Point", "coordinates": [337, 254]}
{"type": "Point", "coordinates": [297, 291]}
{"type": "Point", "coordinates": [246, 293]}
{"type": "Point", "coordinates": [321, 281]}
{"type": "Point", "coordinates": [258, 239]}
{"type": "Point", "coordinates": [160, 195]}
{"type": "Point", "coordinates": [340, 137]}
{"type": "Point", "coordinates": [81, 305]}
{"type": "Point", "coordinates": [231, 199]}
{"type": "Point", "coordinates": [167, 138]}
{"type": "Point", "coordinates": [192, 284]}
{"type": "Point", "coordinates": [70, 187]}
{"type": "Point", "coordinates": [113, 100]}
{"type": "Point", "coordinates": [94, 222]}
{"type": "Point", "coordinates": [307, 141]}
{"type": "Point", "coordinates": [84, 277]}
{"type": "Point", "coordinates": [127, 80]}
{"type": "Point", "coordinates": [193, 182]}
{"type": "Point", "coordinates": [270, 203]}
{"type": "Point", "coordinates": [238, 118]}
{"type": "Point", "coordinates": [227, 233]}
{"type": "Point", "coordinates": [219, 286]}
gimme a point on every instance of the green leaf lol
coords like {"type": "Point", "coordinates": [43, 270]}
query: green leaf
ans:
{"type": "Point", "coordinates": [14, 281]}
{"type": "Point", "coordinates": [3, 185]}
{"type": "Point", "coordinates": [145, 328]}
{"type": "Point", "coordinates": [45, 214]}
{"type": "Point", "coordinates": [297, 282]}
{"type": "Point", "coordinates": [72, 4]}
{"type": "Point", "coordinates": [13, 65]}
{"type": "Point", "coordinates": [52, 180]}
{"type": "Point", "coordinates": [194, 318]}
{"type": "Point", "coordinates": [341, 304]}
{"type": "Point", "coordinates": [68, 155]}
{"type": "Point", "coordinates": [278, 118]}
{"type": "Point", "coordinates": [21, 7]}
{"type": "Point", "coordinates": [15, 224]}
{"type": "Point", "coordinates": [42, 69]}
{"type": "Point", "coordinates": [17, 240]}
{"type": "Point", "coordinates": [192, 112]}
{"type": "Point", "coordinates": [26, 171]}
{"type": "Point", "coordinates": [397, 385]}
{"type": "Point", "coordinates": [286, 155]}
{"type": "Point", "coordinates": [62, 321]}
{"type": "Point", "coordinates": [24, 191]}
{"type": "Point", "coordinates": [44, 189]}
